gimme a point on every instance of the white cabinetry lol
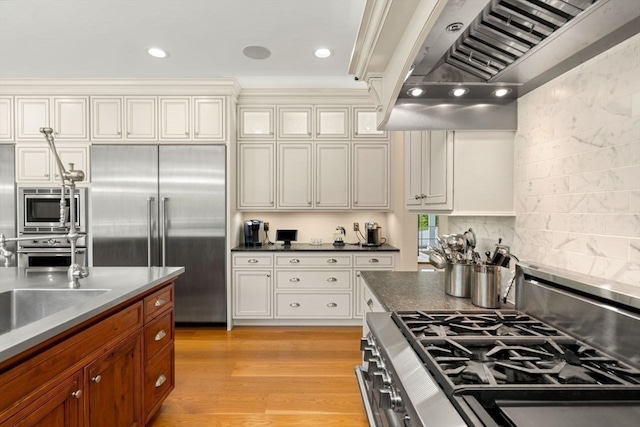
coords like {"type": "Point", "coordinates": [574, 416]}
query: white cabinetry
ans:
{"type": "Point", "coordinates": [295, 170]}
{"type": "Point", "coordinates": [364, 124]}
{"type": "Point", "coordinates": [256, 175]}
{"type": "Point", "coordinates": [371, 175]}
{"type": "Point", "coordinates": [36, 164]}
{"type": "Point", "coordinates": [332, 172]}
{"type": "Point", "coordinates": [295, 123]}
{"type": "Point", "coordinates": [140, 118]}
{"type": "Point", "coordinates": [106, 118]}
{"type": "Point", "coordinates": [192, 119]}
{"type": "Point", "coordinates": [444, 170]}
{"type": "Point", "coordinates": [68, 117]}
{"type": "Point", "coordinates": [209, 119]}
{"type": "Point", "coordinates": [252, 287]}
{"type": "Point", "coordinates": [332, 123]}
{"type": "Point", "coordinates": [6, 118]}
{"type": "Point", "coordinates": [429, 170]}
{"type": "Point", "coordinates": [256, 122]}
{"type": "Point", "coordinates": [377, 262]}
{"type": "Point", "coordinates": [175, 118]}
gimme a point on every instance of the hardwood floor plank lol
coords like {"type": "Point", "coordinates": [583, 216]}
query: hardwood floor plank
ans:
{"type": "Point", "coordinates": [265, 376]}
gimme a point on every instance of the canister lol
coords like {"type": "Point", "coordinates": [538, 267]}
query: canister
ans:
{"type": "Point", "coordinates": [486, 285]}
{"type": "Point", "coordinates": [457, 279]}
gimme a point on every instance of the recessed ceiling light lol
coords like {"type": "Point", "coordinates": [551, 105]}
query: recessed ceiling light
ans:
{"type": "Point", "coordinates": [156, 52]}
{"type": "Point", "coordinates": [501, 92]}
{"type": "Point", "coordinates": [256, 52]}
{"type": "Point", "coordinates": [459, 91]}
{"type": "Point", "coordinates": [323, 52]}
{"type": "Point", "coordinates": [416, 91]}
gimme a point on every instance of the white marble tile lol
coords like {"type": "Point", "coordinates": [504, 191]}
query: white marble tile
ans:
{"type": "Point", "coordinates": [540, 204]}
{"type": "Point", "coordinates": [626, 225]}
{"type": "Point", "coordinates": [634, 202]}
{"type": "Point", "coordinates": [570, 242]}
{"type": "Point", "coordinates": [624, 272]}
{"type": "Point", "coordinates": [634, 250]}
{"type": "Point", "coordinates": [570, 165]}
{"type": "Point", "coordinates": [608, 247]}
{"type": "Point", "coordinates": [612, 157]}
{"type": "Point", "coordinates": [609, 202]}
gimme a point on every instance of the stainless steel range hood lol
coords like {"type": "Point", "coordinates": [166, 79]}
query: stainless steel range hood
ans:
{"type": "Point", "coordinates": [519, 45]}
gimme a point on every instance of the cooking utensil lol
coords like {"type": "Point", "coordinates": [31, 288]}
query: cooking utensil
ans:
{"type": "Point", "coordinates": [456, 242]}
{"type": "Point", "coordinates": [436, 259]}
{"type": "Point", "coordinates": [470, 237]}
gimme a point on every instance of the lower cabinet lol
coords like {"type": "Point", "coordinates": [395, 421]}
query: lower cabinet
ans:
{"type": "Point", "coordinates": [302, 287]}
{"type": "Point", "coordinates": [113, 371]}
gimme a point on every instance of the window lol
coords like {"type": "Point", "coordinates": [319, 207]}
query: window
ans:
{"type": "Point", "coordinates": [427, 231]}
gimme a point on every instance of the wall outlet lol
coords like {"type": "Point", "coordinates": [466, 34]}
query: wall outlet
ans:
{"type": "Point", "coordinates": [266, 226]}
{"type": "Point", "coordinates": [356, 226]}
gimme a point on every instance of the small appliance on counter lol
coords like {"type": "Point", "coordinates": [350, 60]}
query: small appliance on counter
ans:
{"type": "Point", "coordinates": [373, 234]}
{"type": "Point", "coordinates": [338, 236]}
{"type": "Point", "coordinates": [254, 232]}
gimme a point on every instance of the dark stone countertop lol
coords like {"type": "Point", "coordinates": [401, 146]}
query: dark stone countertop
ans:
{"type": "Point", "coordinates": [409, 290]}
{"type": "Point", "coordinates": [306, 247]}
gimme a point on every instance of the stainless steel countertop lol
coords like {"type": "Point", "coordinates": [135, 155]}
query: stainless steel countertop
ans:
{"type": "Point", "coordinates": [124, 283]}
{"type": "Point", "coordinates": [409, 290]}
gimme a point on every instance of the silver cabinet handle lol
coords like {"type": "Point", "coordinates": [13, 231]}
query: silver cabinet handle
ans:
{"type": "Point", "coordinates": [423, 196]}
{"type": "Point", "coordinates": [161, 334]}
{"type": "Point", "coordinates": [159, 302]}
{"type": "Point", "coordinates": [309, 203]}
{"type": "Point", "coordinates": [150, 200]}
{"type": "Point", "coordinates": [119, 133]}
{"type": "Point", "coordinates": [358, 274]}
{"type": "Point", "coordinates": [332, 261]}
{"type": "Point", "coordinates": [252, 261]}
{"type": "Point", "coordinates": [374, 260]}
{"type": "Point", "coordinates": [417, 197]}
{"type": "Point", "coordinates": [294, 279]}
{"type": "Point", "coordinates": [268, 275]}
{"type": "Point", "coordinates": [97, 379]}
{"type": "Point", "coordinates": [355, 202]}
{"type": "Point", "coordinates": [46, 175]}
{"type": "Point", "coordinates": [161, 379]}
{"type": "Point", "coordinates": [77, 394]}
{"type": "Point", "coordinates": [370, 302]}
{"type": "Point", "coordinates": [332, 305]}
{"type": "Point", "coordinates": [294, 304]}
{"type": "Point", "coordinates": [163, 215]}
{"type": "Point", "coordinates": [332, 279]}
{"type": "Point", "coordinates": [294, 261]}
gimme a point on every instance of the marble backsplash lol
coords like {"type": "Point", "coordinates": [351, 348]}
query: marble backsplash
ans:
{"type": "Point", "coordinates": [577, 168]}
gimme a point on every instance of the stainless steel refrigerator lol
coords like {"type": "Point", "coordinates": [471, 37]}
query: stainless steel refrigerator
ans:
{"type": "Point", "coordinates": [164, 205]}
{"type": "Point", "coordinates": [8, 198]}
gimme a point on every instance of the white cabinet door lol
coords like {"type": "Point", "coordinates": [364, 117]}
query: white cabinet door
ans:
{"type": "Point", "coordinates": [365, 124]}
{"type": "Point", "coordinates": [6, 118]}
{"type": "Point", "coordinates": [209, 119]}
{"type": "Point", "coordinates": [106, 118]}
{"type": "Point", "coordinates": [71, 118]}
{"type": "Point", "coordinates": [437, 176]}
{"type": "Point", "coordinates": [294, 123]}
{"type": "Point", "coordinates": [371, 176]}
{"type": "Point", "coordinates": [332, 123]}
{"type": "Point", "coordinates": [413, 168]}
{"type": "Point", "coordinates": [33, 163]}
{"type": "Point", "coordinates": [256, 123]}
{"type": "Point", "coordinates": [332, 173]}
{"type": "Point", "coordinates": [175, 118]}
{"type": "Point", "coordinates": [32, 113]}
{"type": "Point", "coordinates": [295, 170]}
{"type": "Point", "coordinates": [256, 175]}
{"type": "Point", "coordinates": [79, 156]}
{"type": "Point", "coordinates": [252, 294]}
{"type": "Point", "coordinates": [140, 117]}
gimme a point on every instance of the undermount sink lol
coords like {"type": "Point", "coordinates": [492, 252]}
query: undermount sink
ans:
{"type": "Point", "coordinates": [19, 307]}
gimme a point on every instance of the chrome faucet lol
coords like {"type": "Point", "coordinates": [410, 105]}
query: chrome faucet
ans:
{"type": "Point", "coordinates": [69, 179]}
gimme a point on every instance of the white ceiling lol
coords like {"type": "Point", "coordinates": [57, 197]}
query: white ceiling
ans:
{"type": "Point", "coordinates": [205, 38]}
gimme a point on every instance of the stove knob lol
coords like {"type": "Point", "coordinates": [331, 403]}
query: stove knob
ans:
{"type": "Point", "coordinates": [381, 379]}
{"type": "Point", "coordinates": [390, 399]}
{"type": "Point", "coordinates": [370, 353]}
{"type": "Point", "coordinates": [375, 365]}
{"type": "Point", "coordinates": [407, 421]}
{"type": "Point", "coordinates": [365, 342]}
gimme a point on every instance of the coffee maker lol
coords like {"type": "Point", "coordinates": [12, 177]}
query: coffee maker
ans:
{"type": "Point", "coordinates": [373, 231]}
{"type": "Point", "coordinates": [254, 232]}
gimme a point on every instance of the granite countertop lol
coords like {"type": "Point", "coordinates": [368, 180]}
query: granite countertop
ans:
{"type": "Point", "coordinates": [306, 247]}
{"type": "Point", "coordinates": [408, 290]}
{"type": "Point", "coordinates": [121, 283]}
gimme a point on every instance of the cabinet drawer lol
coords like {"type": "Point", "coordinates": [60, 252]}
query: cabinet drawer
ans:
{"type": "Point", "coordinates": [313, 305]}
{"type": "Point", "coordinates": [374, 261]}
{"type": "Point", "coordinates": [158, 302]}
{"type": "Point", "coordinates": [252, 260]}
{"type": "Point", "coordinates": [319, 279]}
{"type": "Point", "coordinates": [372, 304]}
{"type": "Point", "coordinates": [159, 380]}
{"type": "Point", "coordinates": [157, 334]}
{"type": "Point", "coordinates": [315, 261]}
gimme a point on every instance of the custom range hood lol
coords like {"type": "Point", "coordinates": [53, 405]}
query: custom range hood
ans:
{"type": "Point", "coordinates": [517, 45]}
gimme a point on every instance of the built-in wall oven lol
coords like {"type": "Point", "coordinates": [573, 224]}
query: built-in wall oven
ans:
{"type": "Point", "coordinates": [39, 219]}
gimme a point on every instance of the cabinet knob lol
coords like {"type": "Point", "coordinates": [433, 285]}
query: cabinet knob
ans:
{"type": "Point", "coordinates": [332, 279]}
{"type": "Point", "coordinates": [370, 302]}
{"type": "Point", "coordinates": [161, 379]}
{"type": "Point", "coordinates": [196, 133]}
{"type": "Point", "coordinates": [46, 175]}
{"type": "Point", "coordinates": [423, 196]}
{"type": "Point", "coordinates": [161, 334]}
{"type": "Point", "coordinates": [417, 196]}
{"type": "Point", "coordinates": [309, 203]}
{"type": "Point", "coordinates": [119, 133]}
{"type": "Point", "coordinates": [268, 275]}
{"type": "Point", "coordinates": [294, 261]}
{"type": "Point", "coordinates": [252, 261]}
{"type": "Point", "coordinates": [128, 133]}
{"type": "Point", "coordinates": [294, 279]}
{"type": "Point", "coordinates": [332, 305]}
{"type": "Point", "coordinates": [355, 202]}
{"type": "Point", "coordinates": [332, 261]}
{"type": "Point", "coordinates": [160, 302]}
{"type": "Point", "coordinates": [97, 379]}
{"type": "Point", "coordinates": [374, 260]}
{"type": "Point", "coordinates": [318, 203]}
{"type": "Point", "coordinates": [294, 304]}
{"type": "Point", "coordinates": [77, 394]}
{"type": "Point", "coordinates": [187, 133]}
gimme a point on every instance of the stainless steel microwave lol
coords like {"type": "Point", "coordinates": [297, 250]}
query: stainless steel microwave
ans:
{"type": "Point", "coordinates": [39, 210]}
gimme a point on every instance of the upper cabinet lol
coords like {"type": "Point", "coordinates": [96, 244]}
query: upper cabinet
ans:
{"type": "Point", "coordinates": [68, 116]}
{"type": "Point", "coordinates": [6, 118]}
{"type": "Point", "coordinates": [36, 165]}
{"type": "Point", "coordinates": [371, 175]}
{"type": "Point", "coordinates": [209, 118]}
{"type": "Point", "coordinates": [332, 123]}
{"type": "Point", "coordinates": [445, 170]}
{"type": "Point", "coordinates": [295, 123]}
{"type": "Point", "coordinates": [140, 118]}
{"type": "Point", "coordinates": [256, 122]}
{"type": "Point", "coordinates": [364, 124]}
{"type": "Point", "coordinates": [106, 118]}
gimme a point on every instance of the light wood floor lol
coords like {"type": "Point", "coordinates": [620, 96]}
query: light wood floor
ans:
{"type": "Point", "coordinates": [265, 376]}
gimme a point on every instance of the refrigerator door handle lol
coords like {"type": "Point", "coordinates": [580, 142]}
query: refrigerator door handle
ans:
{"type": "Point", "coordinates": [163, 218]}
{"type": "Point", "coordinates": [150, 201]}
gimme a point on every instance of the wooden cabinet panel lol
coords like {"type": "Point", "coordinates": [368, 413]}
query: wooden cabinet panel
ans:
{"type": "Point", "coordinates": [157, 334]}
{"type": "Point", "coordinates": [113, 386]}
{"type": "Point", "coordinates": [159, 380]}
{"type": "Point", "coordinates": [159, 302]}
